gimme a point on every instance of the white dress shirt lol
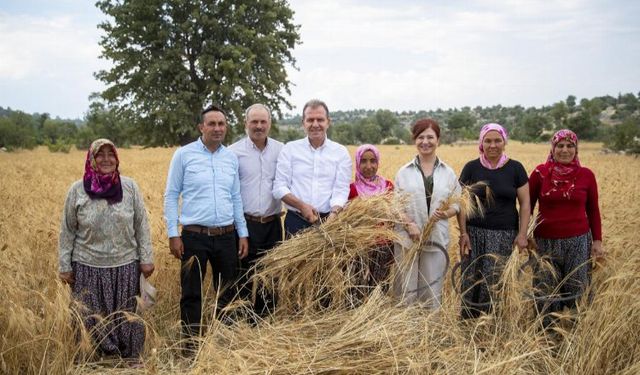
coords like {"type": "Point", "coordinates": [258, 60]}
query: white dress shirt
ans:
{"type": "Point", "coordinates": [317, 176]}
{"type": "Point", "coordinates": [257, 172]}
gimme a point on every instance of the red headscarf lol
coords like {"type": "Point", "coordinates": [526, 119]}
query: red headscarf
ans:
{"type": "Point", "coordinates": [558, 177]}
{"type": "Point", "coordinates": [96, 184]}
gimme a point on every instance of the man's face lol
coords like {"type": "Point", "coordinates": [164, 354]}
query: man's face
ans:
{"type": "Point", "coordinates": [258, 124]}
{"type": "Point", "coordinates": [316, 123]}
{"type": "Point", "coordinates": [213, 128]}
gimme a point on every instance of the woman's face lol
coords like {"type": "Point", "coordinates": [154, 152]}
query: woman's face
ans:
{"type": "Point", "coordinates": [368, 164]}
{"type": "Point", "coordinates": [493, 145]}
{"type": "Point", "coordinates": [564, 152]}
{"type": "Point", "coordinates": [106, 160]}
{"type": "Point", "coordinates": [427, 142]}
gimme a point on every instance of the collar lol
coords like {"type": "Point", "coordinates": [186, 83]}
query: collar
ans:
{"type": "Point", "coordinates": [249, 143]}
{"type": "Point", "coordinates": [323, 145]}
{"type": "Point", "coordinates": [203, 147]}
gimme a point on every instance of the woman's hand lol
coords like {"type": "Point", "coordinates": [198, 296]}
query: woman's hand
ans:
{"type": "Point", "coordinates": [147, 269]}
{"type": "Point", "coordinates": [444, 214]}
{"type": "Point", "coordinates": [465, 245]}
{"type": "Point", "coordinates": [597, 251]}
{"type": "Point", "coordinates": [522, 242]}
{"type": "Point", "coordinates": [67, 277]}
{"type": "Point", "coordinates": [414, 231]}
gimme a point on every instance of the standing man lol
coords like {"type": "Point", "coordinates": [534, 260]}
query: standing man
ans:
{"type": "Point", "coordinates": [205, 173]}
{"type": "Point", "coordinates": [313, 173]}
{"type": "Point", "coordinates": [257, 155]}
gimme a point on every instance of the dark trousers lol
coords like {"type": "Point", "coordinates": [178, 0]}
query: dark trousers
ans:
{"type": "Point", "coordinates": [262, 238]}
{"type": "Point", "coordinates": [222, 253]}
{"type": "Point", "coordinates": [294, 223]}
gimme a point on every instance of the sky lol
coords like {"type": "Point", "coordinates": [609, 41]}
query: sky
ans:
{"type": "Point", "coordinates": [369, 54]}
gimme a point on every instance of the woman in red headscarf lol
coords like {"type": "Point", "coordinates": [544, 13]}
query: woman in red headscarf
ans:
{"type": "Point", "coordinates": [105, 244]}
{"type": "Point", "coordinates": [569, 229]}
{"type": "Point", "coordinates": [368, 183]}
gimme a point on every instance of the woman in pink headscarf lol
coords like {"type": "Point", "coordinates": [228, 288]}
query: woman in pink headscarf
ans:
{"type": "Point", "coordinates": [484, 240]}
{"type": "Point", "coordinates": [368, 183]}
{"type": "Point", "coordinates": [569, 229]}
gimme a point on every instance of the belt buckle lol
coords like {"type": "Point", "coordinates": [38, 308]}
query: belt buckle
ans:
{"type": "Point", "coordinates": [211, 231]}
{"type": "Point", "coordinates": [263, 219]}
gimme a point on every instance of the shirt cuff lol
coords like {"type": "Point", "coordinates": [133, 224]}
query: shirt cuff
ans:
{"type": "Point", "coordinates": [281, 192]}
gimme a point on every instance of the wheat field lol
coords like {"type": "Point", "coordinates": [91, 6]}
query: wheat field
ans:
{"type": "Point", "coordinates": [37, 326]}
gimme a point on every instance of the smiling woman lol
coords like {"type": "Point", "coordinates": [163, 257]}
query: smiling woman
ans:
{"type": "Point", "coordinates": [105, 244]}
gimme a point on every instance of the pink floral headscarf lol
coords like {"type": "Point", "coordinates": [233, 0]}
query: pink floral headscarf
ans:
{"type": "Point", "coordinates": [97, 185]}
{"type": "Point", "coordinates": [483, 132]}
{"type": "Point", "coordinates": [365, 186]}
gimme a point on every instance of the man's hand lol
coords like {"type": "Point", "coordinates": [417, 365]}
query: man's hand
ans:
{"type": "Point", "coordinates": [176, 247]}
{"type": "Point", "coordinates": [67, 277]}
{"type": "Point", "coordinates": [147, 269]}
{"type": "Point", "coordinates": [243, 247]}
{"type": "Point", "coordinates": [309, 213]}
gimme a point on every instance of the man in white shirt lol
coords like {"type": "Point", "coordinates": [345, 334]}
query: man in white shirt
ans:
{"type": "Point", "coordinates": [313, 173]}
{"type": "Point", "coordinates": [257, 156]}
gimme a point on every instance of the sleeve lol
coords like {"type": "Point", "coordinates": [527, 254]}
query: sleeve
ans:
{"type": "Point", "coordinates": [353, 193]}
{"type": "Point", "coordinates": [141, 227]}
{"type": "Point", "coordinates": [465, 175]}
{"type": "Point", "coordinates": [521, 177]}
{"type": "Point", "coordinates": [172, 193]}
{"type": "Point", "coordinates": [68, 229]}
{"type": "Point", "coordinates": [341, 183]}
{"type": "Point", "coordinates": [593, 208]}
{"type": "Point", "coordinates": [535, 183]}
{"type": "Point", "coordinates": [238, 210]}
{"type": "Point", "coordinates": [282, 182]}
{"type": "Point", "coordinates": [456, 191]}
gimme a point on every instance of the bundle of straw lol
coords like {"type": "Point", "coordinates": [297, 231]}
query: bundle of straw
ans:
{"type": "Point", "coordinates": [320, 267]}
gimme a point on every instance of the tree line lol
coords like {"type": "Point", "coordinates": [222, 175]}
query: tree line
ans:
{"type": "Point", "coordinates": [612, 120]}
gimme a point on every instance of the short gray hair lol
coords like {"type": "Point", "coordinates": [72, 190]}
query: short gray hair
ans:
{"type": "Point", "coordinates": [255, 106]}
{"type": "Point", "coordinates": [314, 103]}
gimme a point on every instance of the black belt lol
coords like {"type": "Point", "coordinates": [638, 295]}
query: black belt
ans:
{"type": "Point", "coordinates": [263, 219]}
{"type": "Point", "coordinates": [209, 231]}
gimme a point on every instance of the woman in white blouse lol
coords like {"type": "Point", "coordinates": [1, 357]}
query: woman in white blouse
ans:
{"type": "Point", "coordinates": [104, 245]}
{"type": "Point", "coordinates": [428, 182]}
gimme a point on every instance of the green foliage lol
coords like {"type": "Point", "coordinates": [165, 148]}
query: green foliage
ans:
{"type": "Point", "coordinates": [584, 125]}
{"type": "Point", "coordinates": [386, 120]}
{"type": "Point", "coordinates": [343, 134]}
{"type": "Point", "coordinates": [55, 130]}
{"type": "Point", "coordinates": [461, 120]}
{"type": "Point", "coordinates": [172, 57]}
{"type": "Point", "coordinates": [530, 127]}
{"type": "Point", "coordinates": [14, 136]}
{"type": "Point", "coordinates": [63, 146]}
{"type": "Point", "coordinates": [626, 136]}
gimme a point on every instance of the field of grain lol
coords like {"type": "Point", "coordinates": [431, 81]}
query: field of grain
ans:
{"type": "Point", "coordinates": [36, 325]}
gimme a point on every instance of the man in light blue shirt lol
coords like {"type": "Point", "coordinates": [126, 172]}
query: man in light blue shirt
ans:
{"type": "Point", "coordinates": [205, 174]}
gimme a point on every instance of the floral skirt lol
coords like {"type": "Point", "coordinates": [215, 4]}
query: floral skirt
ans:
{"type": "Point", "coordinates": [105, 293]}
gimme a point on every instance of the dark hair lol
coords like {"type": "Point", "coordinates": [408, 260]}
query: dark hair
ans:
{"type": "Point", "coordinates": [424, 124]}
{"type": "Point", "coordinates": [314, 103]}
{"type": "Point", "coordinates": [211, 108]}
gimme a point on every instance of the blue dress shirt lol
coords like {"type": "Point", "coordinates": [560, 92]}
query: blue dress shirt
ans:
{"type": "Point", "coordinates": [210, 188]}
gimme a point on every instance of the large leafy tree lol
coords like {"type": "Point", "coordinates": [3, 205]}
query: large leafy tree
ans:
{"type": "Point", "coordinates": [172, 57]}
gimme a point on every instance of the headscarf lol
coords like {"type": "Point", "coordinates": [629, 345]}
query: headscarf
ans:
{"type": "Point", "coordinates": [557, 176]}
{"type": "Point", "coordinates": [366, 186]}
{"type": "Point", "coordinates": [96, 184]}
{"type": "Point", "coordinates": [483, 133]}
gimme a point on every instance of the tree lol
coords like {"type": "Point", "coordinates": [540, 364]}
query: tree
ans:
{"type": "Point", "coordinates": [342, 133]}
{"type": "Point", "coordinates": [626, 136]}
{"type": "Point", "coordinates": [531, 126]}
{"type": "Point", "coordinates": [387, 120]}
{"type": "Point", "coordinates": [584, 125]}
{"type": "Point", "coordinates": [571, 102]}
{"type": "Point", "coordinates": [461, 120]}
{"type": "Point", "coordinates": [172, 57]}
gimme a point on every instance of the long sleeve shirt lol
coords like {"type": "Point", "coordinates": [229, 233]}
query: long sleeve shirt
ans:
{"type": "Point", "coordinates": [98, 234]}
{"type": "Point", "coordinates": [560, 217]}
{"type": "Point", "coordinates": [210, 188]}
{"type": "Point", "coordinates": [257, 171]}
{"type": "Point", "coordinates": [409, 180]}
{"type": "Point", "coordinates": [317, 176]}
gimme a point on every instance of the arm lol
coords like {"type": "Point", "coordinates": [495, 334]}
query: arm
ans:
{"type": "Point", "coordinates": [595, 223]}
{"type": "Point", "coordinates": [282, 184]}
{"type": "Point", "coordinates": [171, 195]}
{"type": "Point", "coordinates": [66, 241]}
{"type": "Point", "coordinates": [142, 233]}
{"type": "Point", "coordinates": [454, 208]}
{"type": "Point", "coordinates": [238, 216]}
{"type": "Point", "coordinates": [340, 192]}
{"type": "Point", "coordinates": [524, 216]}
{"type": "Point", "coordinates": [464, 242]}
{"type": "Point", "coordinates": [409, 225]}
